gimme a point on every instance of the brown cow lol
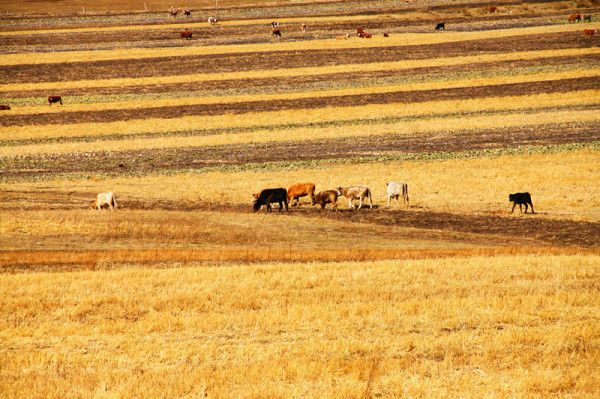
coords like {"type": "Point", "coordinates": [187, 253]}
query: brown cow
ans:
{"type": "Point", "coordinates": [186, 34]}
{"type": "Point", "coordinates": [574, 18]}
{"type": "Point", "coordinates": [587, 18]}
{"type": "Point", "coordinates": [493, 9]}
{"type": "Point", "coordinates": [326, 197]}
{"type": "Point", "coordinates": [276, 32]}
{"type": "Point", "coordinates": [364, 34]}
{"type": "Point", "coordinates": [187, 12]}
{"type": "Point", "coordinates": [590, 32]}
{"type": "Point", "coordinates": [4, 107]}
{"type": "Point", "coordinates": [300, 190]}
{"type": "Point", "coordinates": [55, 99]}
{"type": "Point", "coordinates": [174, 13]}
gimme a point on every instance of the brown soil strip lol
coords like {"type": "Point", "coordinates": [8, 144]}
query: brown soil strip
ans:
{"type": "Point", "coordinates": [305, 103]}
{"type": "Point", "coordinates": [144, 161]}
{"type": "Point", "coordinates": [318, 82]}
{"type": "Point", "coordinates": [556, 232]}
{"type": "Point", "coordinates": [284, 59]}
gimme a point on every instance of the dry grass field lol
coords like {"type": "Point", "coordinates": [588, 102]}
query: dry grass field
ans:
{"type": "Point", "coordinates": [183, 291]}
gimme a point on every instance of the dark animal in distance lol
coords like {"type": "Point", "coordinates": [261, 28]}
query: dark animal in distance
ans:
{"type": "Point", "coordinates": [269, 196]}
{"type": "Point", "coordinates": [521, 199]}
{"type": "Point", "coordinates": [590, 32]}
{"type": "Point", "coordinates": [186, 34]}
{"type": "Point", "coordinates": [493, 9]}
{"type": "Point", "coordinates": [574, 18]}
{"type": "Point", "coordinates": [4, 107]}
{"type": "Point", "coordinates": [440, 26]}
{"type": "Point", "coordinates": [187, 12]}
{"type": "Point", "coordinates": [326, 197]}
{"type": "Point", "coordinates": [385, 34]}
{"type": "Point", "coordinates": [303, 28]}
{"type": "Point", "coordinates": [364, 34]}
{"type": "Point", "coordinates": [587, 17]}
{"type": "Point", "coordinates": [276, 32]}
{"type": "Point", "coordinates": [174, 13]}
{"type": "Point", "coordinates": [55, 99]}
{"type": "Point", "coordinates": [296, 191]}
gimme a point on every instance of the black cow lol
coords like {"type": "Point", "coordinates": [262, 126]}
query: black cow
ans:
{"type": "Point", "coordinates": [520, 199]}
{"type": "Point", "coordinates": [440, 26]}
{"type": "Point", "coordinates": [4, 107]}
{"type": "Point", "coordinates": [269, 196]}
{"type": "Point", "coordinates": [55, 99]}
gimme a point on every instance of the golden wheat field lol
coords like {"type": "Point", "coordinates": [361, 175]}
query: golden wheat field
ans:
{"type": "Point", "coordinates": [184, 291]}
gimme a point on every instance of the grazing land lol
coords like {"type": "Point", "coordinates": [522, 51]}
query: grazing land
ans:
{"type": "Point", "coordinates": [184, 291]}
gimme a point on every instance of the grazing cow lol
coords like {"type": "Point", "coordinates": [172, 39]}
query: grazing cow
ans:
{"type": "Point", "coordinates": [276, 32]}
{"type": "Point", "coordinates": [174, 13]}
{"type": "Point", "coordinates": [574, 18]}
{"type": "Point", "coordinates": [326, 197]}
{"type": "Point", "coordinates": [212, 20]}
{"type": "Point", "coordinates": [55, 99]}
{"type": "Point", "coordinates": [356, 192]}
{"type": "Point", "coordinates": [385, 34]}
{"type": "Point", "coordinates": [493, 9]}
{"type": "Point", "coordinates": [102, 199]}
{"type": "Point", "coordinates": [587, 18]}
{"type": "Point", "coordinates": [520, 199]}
{"type": "Point", "coordinates": [440, 26]}
{"type": "Point", "coordinates": [296, 191]}
{"type": "Point", "coordinates": [269, 196]}
{"type": "Point", "coordinates": [186, 34]}
{"type": "Point", "coordinates": [590, 32]}
{"type": "Point", "coordinates": [4, 107]}
{"type": "Point", "coordinates": [303, 28]}
{"type": "Point", "coordinates": [187, 13]}
{"type": "Point", "coordinates": [397, 190]}
{"type": "Point", "coordinates": [364, 34]}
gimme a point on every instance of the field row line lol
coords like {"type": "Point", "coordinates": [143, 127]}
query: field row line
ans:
{"type": "Point", "coordinates": [406, 39]}
{"type": "Point", "coordinates": [419, 126]}
{"type": "Point", "coordinates": [214, 100]}
{"type": "Point", "coordinates": [282, 118]}
{"type": "Point", "coordinates": [307, 71]}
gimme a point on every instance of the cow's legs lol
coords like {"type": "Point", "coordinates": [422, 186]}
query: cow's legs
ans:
{"type": "Point", "coordinates": [532, 211]}
{"type": "Point", "coordinates": [350, 204]}
{"type": "Point", "coordinates": [513, 208]}
{"type": "Point", "coordinates": [526, 207]}
{"type": "Point", "coordinates": [521, 207]}
{"type": "Point", "coordinates": [360, 202]}
{"type": "Point", "coordinates": [388, 201]}
{"type": "Point", "coordinates": [269, 209]}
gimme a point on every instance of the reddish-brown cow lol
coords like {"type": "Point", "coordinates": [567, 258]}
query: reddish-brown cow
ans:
{"type": "Point", "coordinates": [4, 107]}
{"type": "Point", "coordinates": [575, 18]}
{"type": "Point", "coordinates": [364, 34]}
{"type": "Point", "coordinates": [590, 32]}
{"type": "Point", "coordinates": [326, 197]}
{"type": "Point", "coordinates": [55, 99]}
{"type": "Point", "coordinates": [186, 34]}
{"type": "Point", "coordinates": [300, 190]}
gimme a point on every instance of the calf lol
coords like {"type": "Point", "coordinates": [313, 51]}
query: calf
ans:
{"type": "Point", "coordinates": [108, 198]}
{"type": "Point", "coordinates": [574, 18]}
{"type": "Point", "coordinates": [356, 192]}
{"type": "Point", "coordinates": [296, 191]}
{"type": "Point", "coordinates": [4, 107]}
{"type": "Point", "coordinates": [587, 18]}
{"type": "Point", "coordinates": [55, 99]}
{"type": "Point", "coordinates": [520, 199]}
{"type": "Point", "coordinates": [212, 20]}
{"type": "Point", "coordinates": [362, 33]}
{"type": "Point", "coordinates": [276, 32]}
{"type": "Point", "coordinates": [397, 190]}
{"type": "Point", "coordinates": [186, 34]}
{"type": "Point", "coordinates": [187, 12]}
{"type": "Point", "coordinates": [269, 196]}
{"type": "Point", "coordinates": [493, 9]}
{"type": "Point", "coordinates": [590, 32]}
{"type": "Point", "coordinates": [326, 197]}
{"type": "Point", "coordinates": [440, 26]}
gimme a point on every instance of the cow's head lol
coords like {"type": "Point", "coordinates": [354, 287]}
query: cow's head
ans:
{"type": "Point", "coordinates": [511, 197]}
{"type": "Point", "coordinates": [92, 204]}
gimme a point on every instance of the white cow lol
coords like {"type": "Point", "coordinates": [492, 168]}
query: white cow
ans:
{"type": "Point", "coordinates": [102, 199]}
{"type": "Point", "coordinates": [356, 192]}
{"type": "Point", "coordinates": [212, 20]}
{"type": "Point", "coordinates": [397, 190]}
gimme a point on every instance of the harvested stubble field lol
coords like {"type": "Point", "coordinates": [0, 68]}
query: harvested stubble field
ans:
{"type": "Point", "coordinates": [183, 291]}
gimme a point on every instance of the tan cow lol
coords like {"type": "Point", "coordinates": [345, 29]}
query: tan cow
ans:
{"type": "Point", "coordinates": [326, 197]}
{"type": "Point", "coordinates": [356, 192]}
{"type": "Point", "coordinates": [298, 190]}
{"type": "Point", "coordinates": [102, 199]}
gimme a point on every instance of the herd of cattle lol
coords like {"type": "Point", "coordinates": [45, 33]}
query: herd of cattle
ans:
{"type": "Point", "coordinates": [291, 197]}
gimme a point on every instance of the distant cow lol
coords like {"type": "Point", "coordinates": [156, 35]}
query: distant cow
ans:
{"type": "Point", "coordinates": [493, 9]}
{"type": "Point", "coordinates": [575, 18]}
{"type": "Point", "coordinates": [274, 25]}
{"type": "Point", "coordinates": [397, 190]}
{"type": "Point", "coordinates": [520, 199]}
{"type": "Point", "coordinates": [362, 33]}
{"type": "Point", "coordinates": [212, 20]}
{"type": "Point", "coordinates": [303, 28]}
{"type": "Point", "coordinates": [186, 34]}
{"type": "Point", "coordinates": [102, 199]}
{"type": "Point", "coordinates": [440, 26]}
{"type": "Point", "coordinates": [174, 13]}
{"type": "Point", "coordinates": [269, 196]}
{"type": "Point", "coordinates": [187, 12]}
{"type": "Point", "coordinates": [276, 32]}
{"type": "Point", "coordinates": [356, 192]}
{"type": "Point", "coordinates": [326, 197]}
{"type": "Point", "coordinates": [590, 32]}
{"type": "Point", "coordinates": [587, 18]}
{"type": "Point", "coordinates": [4, 107]}
{"type": "Point", "coordinates": [385, 34]}
{"type": "Point", "coordinates": [55, 99]}
{"type": "Point", "coordinates": [300, 190]}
